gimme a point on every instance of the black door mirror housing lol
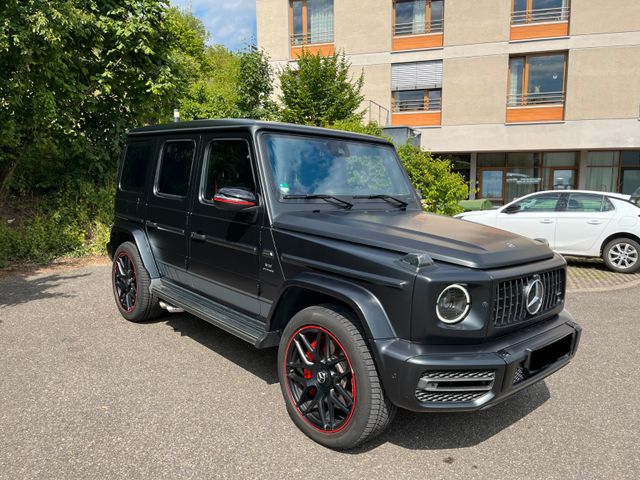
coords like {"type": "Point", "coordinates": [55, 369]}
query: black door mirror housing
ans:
{"type": "Point", "coordinates": [235, 199]}
{"type": "Point", "coordinates": [515, 208]}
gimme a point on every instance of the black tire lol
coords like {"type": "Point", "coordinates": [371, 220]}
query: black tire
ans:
{"type": "Point", "coordinates": [622, 255]}
{"type": "Point", "coordinates": [130, 282]}
{"type": "Point", "coordinates": [369, 412]}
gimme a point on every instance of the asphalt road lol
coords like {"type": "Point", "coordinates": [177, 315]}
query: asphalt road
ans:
{"type": "Point", "coordinates": [85, 394]}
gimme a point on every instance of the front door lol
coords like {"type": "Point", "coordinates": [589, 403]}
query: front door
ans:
{"type": "Point", "coordinates": [535, 218]}
{"type": "Point", "coordinates": [223, 263]}
{"type": "Point", "coordinates": [166, 223]}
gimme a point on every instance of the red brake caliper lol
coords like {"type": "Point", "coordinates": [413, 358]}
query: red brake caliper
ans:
{"type": "Point", "coordinates": [307, 373]}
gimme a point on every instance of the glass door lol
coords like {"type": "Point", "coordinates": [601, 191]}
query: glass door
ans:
{"type": "Point", "coordinates": [492, 185]}
{"type": "Point", "coordinates": [629, 180]}
{"type": "Point", "coordinates": [563, 179]}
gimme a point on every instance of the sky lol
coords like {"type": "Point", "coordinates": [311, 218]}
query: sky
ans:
{"type": "Point", "coordinates": [229, 22]}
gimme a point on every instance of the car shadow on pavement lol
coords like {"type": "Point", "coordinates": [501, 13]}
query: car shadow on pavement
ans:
{"type": "Point", "coordinates": [440, 431]}
{"type": "Point", "coordinates": [19, 289]}
{"type": "Point", "coordinates": [415, 431]}
{"type": "Point", "coordinates": [261, 363]}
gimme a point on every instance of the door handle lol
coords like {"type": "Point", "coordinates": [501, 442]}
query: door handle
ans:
{"type": "Point", "coordinates": [198, 236]}
{"type": "Point", "coordinates": [546, 221]}
{"type": "Point", "coordinates": [594, 222]}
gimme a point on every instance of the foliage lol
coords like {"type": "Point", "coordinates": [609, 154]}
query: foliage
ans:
{"type": "Point", "coordinates": [74, 221]}
{"type": "Point", "coordinates": [255, 86]}
{"type": "Point", "coordinates": [440, 187]}
{"type": "Point", "coordinates": [356, 126]}
{"type": "Point", "coordinates": [320, 91]}
{"type": "Point", "coordinates": [75, 76]}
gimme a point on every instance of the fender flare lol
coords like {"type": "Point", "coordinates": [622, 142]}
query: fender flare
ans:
{"type": "Point", "coordinates": [366, 306]}
{"type": "Point", "coordinates": [139, 237]}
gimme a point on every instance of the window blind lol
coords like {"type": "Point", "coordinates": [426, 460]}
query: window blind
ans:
{"type": "Point", "coordinates": [416, 75]}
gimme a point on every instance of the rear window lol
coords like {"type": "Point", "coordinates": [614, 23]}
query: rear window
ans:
{"type": "Point", "coordinates": [175, 168]}
{"type": "Point", "coordinates": [134, 168]}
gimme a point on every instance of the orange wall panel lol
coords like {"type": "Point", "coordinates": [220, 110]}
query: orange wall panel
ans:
{"type": "Point", "coordinates": [545, 30]}
{"type": "Point", "coordinates": [418, 119]}
{"type": "Point", "coordinates": [325, 50]}
{"type": "Point", "coordinates": [416, 42]}
{"type": "Point", "coordinates": [535, 114]}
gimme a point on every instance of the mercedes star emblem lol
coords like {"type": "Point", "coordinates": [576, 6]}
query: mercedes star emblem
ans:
{"type": "Point", "coordinates": [534, 295]}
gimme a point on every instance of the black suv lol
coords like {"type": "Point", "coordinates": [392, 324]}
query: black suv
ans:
{"type": "Point", "coordinates": [315, 241]}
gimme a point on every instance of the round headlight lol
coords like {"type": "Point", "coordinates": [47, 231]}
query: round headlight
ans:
{"type": "Point", "coordinates": [453, 304]}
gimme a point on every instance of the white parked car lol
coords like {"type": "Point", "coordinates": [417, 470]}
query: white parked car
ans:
{"type": "Point", "coordinates": [574, 222]}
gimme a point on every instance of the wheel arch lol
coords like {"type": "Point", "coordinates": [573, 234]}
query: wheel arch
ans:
{"type": "Point", "coordinates": [136, 235]}
{"type": "Point", "coordinates": [314, 289]}
{"type": "Point", "coordinates": [618, 235]}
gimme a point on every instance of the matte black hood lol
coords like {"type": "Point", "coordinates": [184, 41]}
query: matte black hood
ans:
{"type": "Point", "coordinates": [443, 238]}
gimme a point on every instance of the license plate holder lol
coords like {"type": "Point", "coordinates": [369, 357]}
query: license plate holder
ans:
{"type": "Point", "coordinates": [542, 357]}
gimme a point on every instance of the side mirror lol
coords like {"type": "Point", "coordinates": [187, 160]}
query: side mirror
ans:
{"type": "Point", "coordinates": [235, 199]}
{"type": "Point", "coordinates": [515, 208]}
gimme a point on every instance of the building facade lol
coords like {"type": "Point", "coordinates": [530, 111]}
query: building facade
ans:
{"type": "Point", "coordinates": [524, 95]}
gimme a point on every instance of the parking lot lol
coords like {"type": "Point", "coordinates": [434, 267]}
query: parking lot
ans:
{"type": "Point", "coordinates": [85, 394]}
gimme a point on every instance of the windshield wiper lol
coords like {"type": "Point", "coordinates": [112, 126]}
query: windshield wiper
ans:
{"type": "Point", "coordinates": [327, 198]}
{"type": "Point", "coordinates": [387, 198]}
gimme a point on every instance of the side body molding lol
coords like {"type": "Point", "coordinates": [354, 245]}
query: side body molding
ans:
{"type": "Point", "coordinates": [367, 307]}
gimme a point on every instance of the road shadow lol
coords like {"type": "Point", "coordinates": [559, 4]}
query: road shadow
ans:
{"type": "Point", "coordinates": [588, 263]}
{"type": "Point", "coordinates": [19, 289]}
{"type": "Point", "coordinates": [415, 431]}
{"type": "Point", "coordinates": [259, 362]}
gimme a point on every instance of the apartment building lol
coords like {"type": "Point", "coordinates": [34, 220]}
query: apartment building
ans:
{"type": "Point", "coordinates": [524, 95]}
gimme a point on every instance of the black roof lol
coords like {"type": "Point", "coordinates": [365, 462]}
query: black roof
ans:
{"type": "Point", "coordinates": [199, 125]}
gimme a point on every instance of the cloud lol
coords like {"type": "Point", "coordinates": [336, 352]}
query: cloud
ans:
{"type": "Point", "coordinates": [229, 22]}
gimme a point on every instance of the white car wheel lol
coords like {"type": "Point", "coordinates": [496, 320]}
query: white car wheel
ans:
{"type": "Point", "coordinates": [622, 255]}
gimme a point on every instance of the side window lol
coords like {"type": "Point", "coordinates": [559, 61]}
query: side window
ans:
{"type": "Point", "coordinates": [134, 168]}
{"type": "Point", "coordinates": [228, 165]}
{"type": "Point", "coordinates": [607, 206]}
{"type": "Point", "coordinates": [175, 168]}
{"type": "Point", "coordinates": [583, 202]}
{"type": "Point", "coordinates": [540, 203]}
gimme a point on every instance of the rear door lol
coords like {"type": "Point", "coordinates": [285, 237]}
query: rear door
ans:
{"type": "Point", "coordinates": [224, 245]}
{"type": "Point", "coordinates": [166, 222]}
{"type": "Point", "coordinates": [582, 222]}
{"type": "Point", "coordinates": [536, 217]}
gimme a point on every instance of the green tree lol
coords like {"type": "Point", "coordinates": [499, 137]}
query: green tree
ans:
{"type": "Point", "coordinates": [320, 91]}
{"type": "Point", "coordinates": [440, 187]}
{"type": "Point", "coordinates": [255, 86]}
{"type": "Point", "coordinates": [75, 76]}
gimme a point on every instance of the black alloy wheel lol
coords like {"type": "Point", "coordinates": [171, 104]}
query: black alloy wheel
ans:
{"type": "Point", "coordinates": [320, 379]}
{"type": "Point", "coordinates": [125, 282]}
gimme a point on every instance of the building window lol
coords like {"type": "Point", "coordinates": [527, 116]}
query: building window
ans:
{"type": "Point", "coordinates": [539, 11]}
{"type": "Point", "coordinates": [630, 172]}
{"type": "Point", "coordinates": [537, 80]}
{"type": "Point", "coordinates": [311, 22]}
{"type": "Point", "coordinates": [602, 171]}
{"type": "Point", "coordinates": [418, 17]}
{"type": "Point", "coordinates": [417, 86]}
{"type": "Point", "coordinates": [417, 100]}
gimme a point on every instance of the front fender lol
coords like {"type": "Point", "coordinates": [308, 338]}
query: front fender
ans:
{"type": "Point", "coordinates": [366, 306]}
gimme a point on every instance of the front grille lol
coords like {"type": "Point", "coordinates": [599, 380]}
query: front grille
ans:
{"type": "Point", "coordinates": [454, 386]}
{"type": "Point", "coordinates": [509, 304]}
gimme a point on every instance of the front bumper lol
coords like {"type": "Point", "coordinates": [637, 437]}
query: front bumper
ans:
{"type": "Point", "coordinates": [474, 377]}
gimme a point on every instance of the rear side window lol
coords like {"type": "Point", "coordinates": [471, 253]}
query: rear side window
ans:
{"type": "Point", "coordinates": [583, 202]}
{"type": "Point", "coordinates": [134, 168]}
{"type": "Point", "coordinates": [228, 165]}
{"type": "Point", "coordinates": [175, 168]}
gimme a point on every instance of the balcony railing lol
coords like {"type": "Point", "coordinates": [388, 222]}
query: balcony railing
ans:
{"type": "Point", "coordinates": [299, 39]}
{"type": "Point", "coordinates": [417, 106]}
{"type": "Point", "coordinates": [418, 28]}
{"type": "Point", "coordinates": [523, 17]}
{"type": "Point", "coordinates": [528, 99]}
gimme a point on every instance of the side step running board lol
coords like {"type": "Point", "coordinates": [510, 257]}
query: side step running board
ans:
{"type": "Point", "coordinates": [238, 324]}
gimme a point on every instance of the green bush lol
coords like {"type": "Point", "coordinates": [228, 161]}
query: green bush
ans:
{"type": "Point", "coordinates": [72, 222]}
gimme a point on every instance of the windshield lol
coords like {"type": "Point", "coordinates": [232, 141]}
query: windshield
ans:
{"type": "Point", "coordinates": [330, 166]}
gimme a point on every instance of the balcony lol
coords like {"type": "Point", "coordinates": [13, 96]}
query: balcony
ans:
{"type": "Point", "coordinates": [418, 35]}
{"type": "Point", "coordinates": [535, 107]}
{"type": "Point", "coordinates": [540, 23]}
{"type": "Point", "coordinates": [416, 113]}
{"type": "Point", "coordinates": [320, 42]}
